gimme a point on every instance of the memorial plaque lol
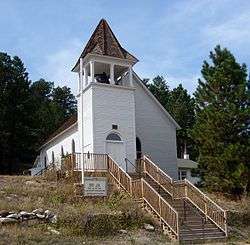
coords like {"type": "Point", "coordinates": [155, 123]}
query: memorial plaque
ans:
{"type": "Point", "coordinates": [95, 186]}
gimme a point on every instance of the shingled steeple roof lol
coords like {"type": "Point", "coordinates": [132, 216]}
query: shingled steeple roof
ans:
{"type": "Point", "coordinates": [104, 42]}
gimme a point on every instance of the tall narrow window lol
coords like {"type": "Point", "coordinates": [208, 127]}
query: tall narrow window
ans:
{"type": "Point", "coordinates": [62, 152]}
{"type": "Point", "coordinates": [45, 162]}
{"type": "Point", "coordinates": [138, 148]}
{"type": "Point", "coordinates": [53, 157]}
{"type": "Point", "coordinates": [73, 146]}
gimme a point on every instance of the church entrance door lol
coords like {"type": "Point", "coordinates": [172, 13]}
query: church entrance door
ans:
{"type": "Point", "coordinates": [115, 147]}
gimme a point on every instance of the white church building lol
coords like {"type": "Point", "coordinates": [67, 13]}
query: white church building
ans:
{"type": "Point", "coordinates": [116, 113]}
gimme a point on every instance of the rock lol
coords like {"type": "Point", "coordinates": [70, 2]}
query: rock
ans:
{"type": "Point", "coordinates": [48, 214]}
{"type": "Point", "coordinates": [8, 220]}
{"type": "Point", "coordinates": [53, 231]}
{"type": "Point", "coordinates": [4, 213]}
{"type": "Point", "coordinates": [13, 216]}
{"type": "Point", "coordinates": [40, 216]}
{"type": "Point", "coordinates": [148, 227]}
{"type": "Point", "coordinates": [53, 220]}
{"type": "Point", "coordinates": [31, 182]}
{"type": "Point", "coordinates": [38, 211]}
{"type": "Point", "coordinates": [123, 231]}
{"type": "Point", "coordinates": [25, 215]}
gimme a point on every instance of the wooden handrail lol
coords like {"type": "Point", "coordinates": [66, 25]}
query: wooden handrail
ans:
{"type": "Point", "coordinates": [123, 179]}
{"type": "Point", "coordinates": [161, 207]}
{"type": "Point", "coordinates": [159, 169]}
{"type": "Point", "coordinates": [141, 189]}
{"type": "Point", "coordinates": [185, 189]}
{"type": "Point", "coordinates": [207, 206]}
{"type": "Point", "coordinates": [164, 180]}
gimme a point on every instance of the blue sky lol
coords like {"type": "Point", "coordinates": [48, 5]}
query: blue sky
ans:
{"type": "Point", "coordinates": [170, 38]}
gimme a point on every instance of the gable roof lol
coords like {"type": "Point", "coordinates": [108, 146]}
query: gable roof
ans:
{"type": "Point", "coordinates": [186, 163]}
{"type": "Point", "coordinates": [104, 42]}
{"type": "Point", "coordinates": [65, 125]}
{"type": "Point", "coordinates": [156, 101]}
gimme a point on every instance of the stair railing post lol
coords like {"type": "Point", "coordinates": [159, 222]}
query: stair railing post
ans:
{"type": "Point", "coordinates": [131, 190]}
{"type": "Point", "coordinates": [142, 190]}
{"type": "Point", "coordinates": [225, 223]}
{"type": "Point", "coordinates": [160, 211]}
{"type": "Point", "coordinates": [186, 189]}
{"type": "Point", "coordinates": [205, 209]}
{"type": "Point", "coordinates": [119, 177]}
{"type": "Point", "coordinates": [144, 165]}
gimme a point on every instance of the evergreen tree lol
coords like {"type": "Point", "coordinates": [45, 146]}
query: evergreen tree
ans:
{"type": "Point", "coordinates": [53, 106]}
{"type": "Point", "coordinates": [16, 110]}
{"type": "Point", "coordinates": [181, 106]}
{"type": "Point", "coordinates": [65, 100]}
{"type": "Point", "coordinates": [159, 89]}
{"type": "Point", "coordinates": [28, 113]}
{"type": "Point", "coordinates": [221, 127]}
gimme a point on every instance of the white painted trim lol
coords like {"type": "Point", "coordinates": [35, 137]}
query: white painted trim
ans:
{"type": "Point", "coordinates": [107, 59]}
{"type": "Point", "coordinates": [156, 101]}
{"type": "Point", "coordinates": [61, 133]}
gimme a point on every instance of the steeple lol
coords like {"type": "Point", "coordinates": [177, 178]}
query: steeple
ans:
{"type": "Point", "coordinates": [103, 42]}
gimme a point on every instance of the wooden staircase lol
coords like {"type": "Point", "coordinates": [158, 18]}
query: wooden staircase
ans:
{"type": "Point", "coordinates": [193, 225]}
{"type": "Point", "coordinates": [184, 212]}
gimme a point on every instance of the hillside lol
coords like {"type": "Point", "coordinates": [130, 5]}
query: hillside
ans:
{"type": "Point", "coordinates": [116, 220]}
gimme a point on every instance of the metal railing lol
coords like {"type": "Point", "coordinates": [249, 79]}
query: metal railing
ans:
{"type": "Point", "coordinates": [43, 170]}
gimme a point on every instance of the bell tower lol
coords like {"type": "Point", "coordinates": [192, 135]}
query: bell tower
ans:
{"type": "Point", "coordinates": [106, 104]}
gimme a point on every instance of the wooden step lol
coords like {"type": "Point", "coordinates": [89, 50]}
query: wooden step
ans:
{"type": "Point", "coordinates": [196, 236]}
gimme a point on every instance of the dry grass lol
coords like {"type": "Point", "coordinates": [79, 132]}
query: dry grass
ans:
{"type": "Point", "coordinates": [117, 212]}
{"type": "Point", "coordinates": [238, 217]}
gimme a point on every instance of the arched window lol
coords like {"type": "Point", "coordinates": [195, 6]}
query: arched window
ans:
{"type": "Point", "coordinates": [62, 151]}
{"type": "Point", "coordinates": [114, 137]}
{"type": "Point", "coordinates": [138, 148]}
{"type": "Point", "coordinates": [73, 146]}
{"type": "Point", "coordinates": [53, 157]}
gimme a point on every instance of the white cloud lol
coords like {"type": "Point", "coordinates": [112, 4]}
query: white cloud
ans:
{"type": "Point", "coordinates": [234, 31]}
{"type": "Point", "coordinates": [58, 65]}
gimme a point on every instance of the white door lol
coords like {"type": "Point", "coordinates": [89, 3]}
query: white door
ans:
{"type": "Point", "coordinates": [116, 150]}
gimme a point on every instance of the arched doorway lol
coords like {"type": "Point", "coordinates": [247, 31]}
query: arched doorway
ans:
{"type": "Point", "coordinates": [115, 147]}
{"type": "Point", "coordinates": [138, 148]}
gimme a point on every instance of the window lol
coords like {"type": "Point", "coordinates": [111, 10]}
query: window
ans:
{"type": "Point", "coordinates": [62, 151]}
{"type": "Point", "coordinates": [114, 137]}
{"type": "Point", "coordinates": [73, 146]}
{"type": "Point", "coordinates": [53, 157]}
{"type": "Point", "coordinates": [138, 148]}
{"type": "Point", "coordinates": [45, 162]}
{"type": "Point", "coordinates": [182, 174]}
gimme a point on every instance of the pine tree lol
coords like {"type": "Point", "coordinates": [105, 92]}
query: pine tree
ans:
{"type": "Point", "coordinates": [221, 127]}
{"type": "Point", "coordinates": [16, 110]}
{"type": "Point", "coordinates": [159, 89]}
{"type": "Point", "coordinates": [181, 106]}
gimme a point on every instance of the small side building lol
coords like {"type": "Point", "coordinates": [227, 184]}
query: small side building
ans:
{"type": "Point", "coordinates": [186, 169]}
